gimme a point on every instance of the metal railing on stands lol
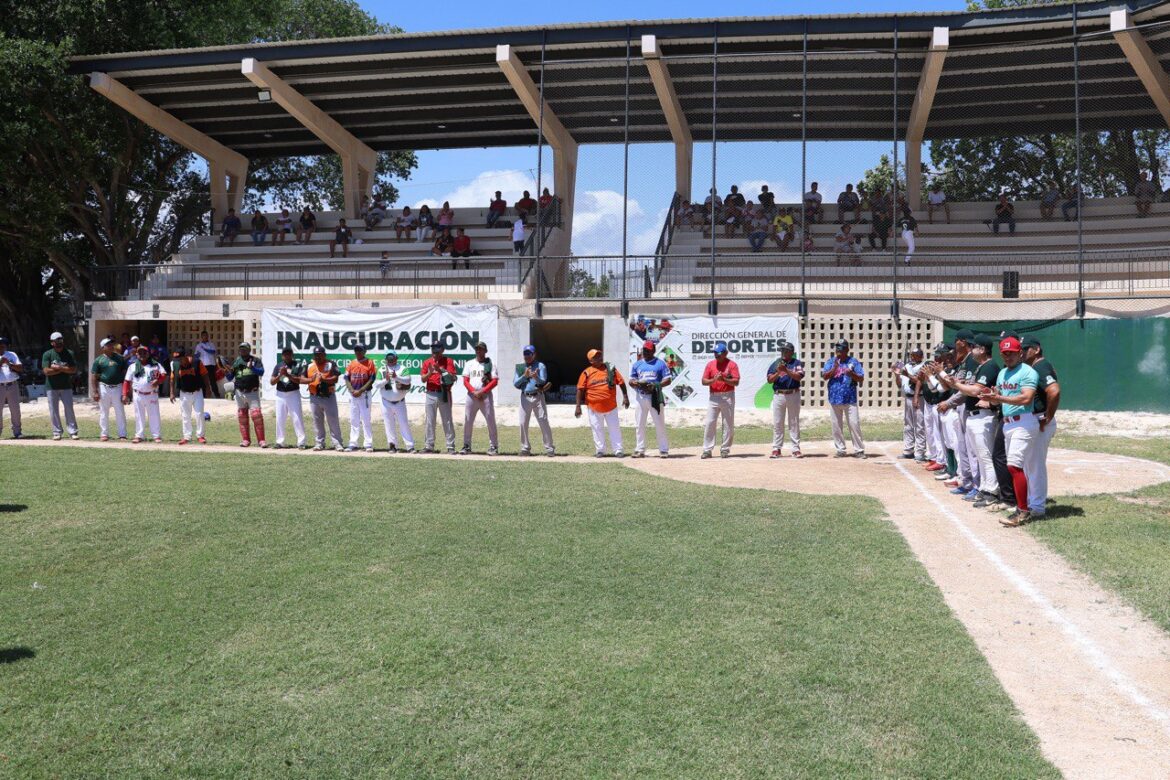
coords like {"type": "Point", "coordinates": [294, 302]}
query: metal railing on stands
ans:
{"type": "Point", "coordinates": [534, 244]}
{"type": "Point", "coordinates": [666, 236]}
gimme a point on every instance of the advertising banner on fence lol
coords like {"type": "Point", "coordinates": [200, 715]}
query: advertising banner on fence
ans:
{"type": "Point", "coordinates": [687, 344]}
{"type": "Point", "coordinates": [409, 333]}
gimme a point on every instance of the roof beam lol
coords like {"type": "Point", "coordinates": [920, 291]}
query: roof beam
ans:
{"type": "Point", "coordinates": [517, 75]}
{"type": "Point", "coordinates": [920, 111]}
{"type": "Point", "coordinates": [227, 169]}
{"type": "Point", "coordinates": [676, 119]}
{"type": "Point", "coordinates": [358, 161]}
{"type": "Point", "coordinates": [1143, 60]}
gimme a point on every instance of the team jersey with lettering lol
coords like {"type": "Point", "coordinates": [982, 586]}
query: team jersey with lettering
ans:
{"type": "Point", "coordinates": [1012, 381]}
{"type": "Point", "coordinates": [1046, 376]}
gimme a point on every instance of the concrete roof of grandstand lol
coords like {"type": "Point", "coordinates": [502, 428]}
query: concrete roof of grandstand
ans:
{"type": "Point", "coordinates": [1007, 72]}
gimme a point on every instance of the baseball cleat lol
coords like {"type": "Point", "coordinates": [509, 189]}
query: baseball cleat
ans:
{"type": "Point", "coordinates": [797, 454]}
{"type": "Point", "coordinates": [705, 455]}
{"type": "Point", "coordinates": [183, 441]}
{"type": "Point", "coordinates": [775, 454]}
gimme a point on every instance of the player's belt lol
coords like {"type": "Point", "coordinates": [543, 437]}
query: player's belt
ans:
{"type": "Point", "coordinates": [1014, 418]}
{"type": "Point", "coordinates": [145, 392]}
{"type": "Point", "coordinates": [105, 384]}
{"type": "Point", "coordinates": [783, 392]}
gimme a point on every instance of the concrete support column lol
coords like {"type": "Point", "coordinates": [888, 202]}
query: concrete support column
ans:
{"type": "Point", "coordinates": [920, 112]}
{"type": "Point", "coordinates": [676, 120]}
{"type": "Point", "coordinates": [1143, 60]}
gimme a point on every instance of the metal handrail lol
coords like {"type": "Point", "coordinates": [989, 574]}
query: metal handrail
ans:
{"type": "Point", "coordinates": [666, 236]}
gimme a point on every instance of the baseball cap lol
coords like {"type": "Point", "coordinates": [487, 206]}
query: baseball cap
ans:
{"type": "Point", "coordinates": [482, 346]}
{"type": "Point", "coordinates": [1009, 344]}
{"type": "Point", "coordinates": [1008, 333]}
{"type": "Point", "coordinates": [720, 347]}
{"type": "Point", "coordinates": [391, 354]}
{"type": "Point", "coordinates": [985, 341]}
{"type": "Point", "coordinates": [916, 351]}
{"type": "Point", "coordinates": [245, 344]}
{"type": "Point", "coordinates": [103, 343]}
{"type": "Point", "coordinates": [842, 344]}
{"type": "Point", "coordinates": [318, 350]}
{"type": "Point", "coordinates": [56, 335]}
{"type": "Point", "coordinates": [286, 350]}
{"type": "Point", "coordinates": [943, 348]}
{"type": "Point", "coordinates": [437, 348]}
{"type": "Point", "coordinates": [529, 349]}
{"type": "Point", "coordinates": [592, 353]}
{"type": "Point", "coordinates": [1029, 341]}
{"type": "Point", "coordinates": [786, 345]}
{"type": "Point", "coordinates": [135, 338]}
{"type": "Point", "coordinates": [179, 352]}
{"type": "Point", "coordinates": [362, 348]}
{"type": "Point", "coordinates": [965, 335]}
{"type": "Point", "coordinates": [650, 345]}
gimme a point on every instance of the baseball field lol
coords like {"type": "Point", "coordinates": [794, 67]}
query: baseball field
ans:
{"type": "Point", "coordinates": [229, 614]}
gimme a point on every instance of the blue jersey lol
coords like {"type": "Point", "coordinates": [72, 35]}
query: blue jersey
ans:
{"type": "Point", "coordinates": [653, 370]}
{"type": "Point", "coordinates": [526, 385]}
{"type": "Point", "coordinates": [785, 382]}
{"type": "Point", "coordinates": [842, 388]}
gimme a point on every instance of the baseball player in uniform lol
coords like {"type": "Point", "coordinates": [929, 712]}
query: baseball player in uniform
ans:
{"type": "Point", "coordinates": [107, 374]}
{"type": "Point", "coordinates": [721, 377]}
{"type": "Point", "coordinates": [597, 388]}
{"type": "Point", "coordinates": [1047, 401]}
{"type": "Point", "coordinates": [479, 379]}
{"type": "Point", "coordinates": [1014, 392]}
{"type": "Point", "coordinates": [532, 381]}
{"type": "Point", "coordinates": [144, 376]}
{"type": "Point", "coordinates": [246, 372]}
{"type": "Point", "coordinates": [438, 374]}
{"type": "Point", "coordinates": [913, 407]}
{"type": "Point", "coordinates": [844, 374]}
{"type": "Point", "coordinates": [10, 371]}
{"type": "Point", "coordinates": [359, 378]}
{"type": "Point", "coordinates": [60, 366]}
{"type": "Point", "coordinates": [286, 377]}
{"type": "Point", "coordinates": [395, 385]}
{"type": "Point", "coordinates": [187, 381]}
{"type": "Point", "coordinates": [649, 376]}
{"type": "Point", "coordinates": [954, 414]}
{"type": "Point", "coordinates": [934, 393]}
{"type": "Point", "coordinates": [321, 375]}
{"type": "Point", "coordinates": [981, 420]}
{"type": "Point", "coordinates": [786, 375]}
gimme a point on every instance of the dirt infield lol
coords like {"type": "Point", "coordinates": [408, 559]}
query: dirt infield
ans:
{"type": "Point", "coordinates": [1089, 674]}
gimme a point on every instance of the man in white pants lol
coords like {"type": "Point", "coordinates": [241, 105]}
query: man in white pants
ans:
{"type": "Point", "coordinates": [479, 379]}
{"type": "Point", "coordinates": [954, 415]}
{"type": "Point", "coordinates": [1014, 393]}
{"type": "Point", "coordinates": [844, 374]}
{"type": "Point", "coordinates": [187, 381]}
{"type": "Point", "coordinates": [360, 374]}
{"type": "Point", "coordinates": [786, 375]}
{"type": "Point", "coordinates": [287, 376]}
{"type": "Point", "coordinates": [721, 377]}
{"type": "Point", "coordinates": [532, 382]}
{"type": "Point", "coordinates": [106, 375]}
{"type": "Point", "coordinates": [395, 386]}
{"type": "Point", "coordinates": [1047, 401]}
{"type": "Point", "coordinates": [913, 407]}
{"type": "Point", "coordinates": [144, 376]}
{"type": "Point", "coordinates": [597, 387]}
{"type": "Point", "coordinates": [980, 424]}
{"type": "Point", "coordinates": [933, 393]}
{"type": "Point", "coordinates": [649, 376]}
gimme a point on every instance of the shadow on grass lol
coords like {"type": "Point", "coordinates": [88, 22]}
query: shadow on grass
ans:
{"type": "Point", "coordinates": [1061, 511]}
{"type": "Point", "coordinates": [10, 655]}
{"type": "Point", "coordinates": [12, 508]}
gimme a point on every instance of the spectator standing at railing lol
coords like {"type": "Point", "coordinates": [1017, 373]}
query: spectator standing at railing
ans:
{"type": "Point", "coordinates": [1072, 203]}
{"type": "Point", "coordinates": [446, 217]}
{"type": "Point", "coordinates": [443, 244]}
{"type": "Point", "coordinates": [1144, 193]}
{"type": "Point", "coordinates": [283, 227]}
{"type": "Point", "coordinates": [374, 215]}
{"type": "Point", "coordinates": [306, 224]}
{"type": "Point", "coordinates": [848, 201]}
{"type": "Point", "coordinates": [461, 247]}
{"type": "Point", "coordinates": [525, 206]}
{"type": "Point", "coordinates": [518, 236]}
{"type": "Point", "coordinates": [767, 201]}
{"type": "Point", "coordinates": [426, 224]}
{"type": "Point", "coordinates": [1005, 213]}
{"type": "Point", "coordinates": [813, 210]}
{"type": "Point", "coordinates": [404, 225]}
{"type": "Point", "coordinates": [936, 200]}
{"type": "Point", "coordinates": [881, 213]}
{"type": "Point", "coordinates": [342, 235]}
{"type": "Point", "coordinates": [259, 228]}
{"type": "Point", "coordinates": [784, 228]}
{"type": "Point", "coordinates": [229, 229]}
{"type": "Point", "coordinates": [496, 209]}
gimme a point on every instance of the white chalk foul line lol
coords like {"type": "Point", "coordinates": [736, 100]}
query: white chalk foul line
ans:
{"type": "Point", "coordinates": [1096, 656]}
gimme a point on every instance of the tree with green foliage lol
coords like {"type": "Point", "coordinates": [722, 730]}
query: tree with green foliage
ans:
{"type": "Point", "coordinates": [83, 185]}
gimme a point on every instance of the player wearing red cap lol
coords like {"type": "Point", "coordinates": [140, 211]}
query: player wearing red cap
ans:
{"type": "Point", "coordinates": [648, 376]}
{"type": "Point", "coordinates": [1015, 391]}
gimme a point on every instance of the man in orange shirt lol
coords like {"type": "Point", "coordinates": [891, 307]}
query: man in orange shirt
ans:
{"type": "Point", "coordinates": [720, 376]}
{"type": "Point", "coordinates": [597, 387]}
{"type": "Point", "coordinates": [360, 374]}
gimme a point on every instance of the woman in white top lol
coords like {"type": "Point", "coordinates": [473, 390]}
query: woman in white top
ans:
{"type": "Point", "coordinates": [518, 236]}
{"type": "Point", "coordinates": [283, 227]}
{"type": "Point", "coordinates": [937, 199]}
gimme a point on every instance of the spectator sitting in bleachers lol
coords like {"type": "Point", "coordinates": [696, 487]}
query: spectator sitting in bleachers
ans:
{"type": "Point", "coordinates": [259, 228]}
{"type": "Point", "coordinates": [374, 215]}
{"type": "Point", "coordinates": [848, 201]}
{"type": "Point", "coordinates": [283, 227]}
{"type": "Point", "coordinates": [767, 201]}
{"type": "Point", "coordinates": [550, 207]}
{"type": "Point", "coordinates": [813, 210]}
{"type": "Point", "coordinates": [443, 244]}
{"type": "Point", "coordinates": [1072, 203]}
{"type": "Point", "coordinates": [496, 209]}
{"type": "Point", "coordinates": [306, 224]}
{"type": "Point", "coordinates": [846, 245]}
{"type": "Point", "coordinates": [882, 216]}
{"type": "Point", "coordinates": [426, 224]}
{"type": "Point", "coordinates": [342, 235]}
{"type": "Point", "coordinates": [937, 199]}
{"type": "Point", "coordinates": [1005, 212]}
{"type": "Point", "coordinates": [1144, 193]}
{"type": "Point", "coordinates": [446, 217]}
{"type": "Point", "coordinates": [525, 206]}
{"type": "Point", "coordinates": [461, 247]}
{"type": "Point", "coordinates": [733, 217]}
{"type": "Point", "coordinates": [365, 207]}
{"type": "Point", "coordinates": [404, 225]}
{"type": "Point", "coordinates": [864, 202]}
{"type": "Point", "coordinates": [713, 205]}
{"type": "Point", "coordinates": [229, 229]}
{"type": "Point", "coordinates": [685, 214]}
{"type": "Point", "coordinates": [784, 228]}
{"type": "Point", "coordinates": [757, 227]}
{"type": "Point", "coordinates": [1048, 201]}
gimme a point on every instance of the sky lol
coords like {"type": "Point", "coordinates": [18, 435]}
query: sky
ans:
{"type": "Point", "coordinates": [469, 177]}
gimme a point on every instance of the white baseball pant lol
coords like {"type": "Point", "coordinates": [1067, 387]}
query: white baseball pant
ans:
{"type": "Point", "coordinates": [853, 420]}
{"type": "Point", "coordinates": [110, 397]}
{"type": "Point", "coordinates": [720, 405]}
{"type": "Point", "coordinates": [913, 426]}
{"type": "Point", "coordinates": [146, 407]}
{"type": "Point", "coordinates": [980, 441]}
{"type": "Point", "coordinates": [1036, 467]}
{"type": "Point", "coordinates": [786, 413]}
{"type": "Point", "coordinates": [395, 421]}
{"type": "Point", "coordinates": [935, 450]}
{"type": "Point", "coordinates": [191, 403]}
{"type": "Point", "coordinates": [473, 406]}
{"type": "Point", "coordinates": [360, 421]}
{"type": "Point", "coordinates": [646, 410]}
{"type": "Point", "coordinates": [599, 423]}
{"type": "Point", "coordinates": [288, 404]}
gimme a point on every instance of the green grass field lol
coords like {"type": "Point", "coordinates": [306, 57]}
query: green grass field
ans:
{"type": "Point", "coordinates": [228, 616]}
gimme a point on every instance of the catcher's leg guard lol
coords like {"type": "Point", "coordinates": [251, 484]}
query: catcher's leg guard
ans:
{"type": "Point", "coordinates": [258, 421]}
{"type": "Point", "coordinates": [242, 419]}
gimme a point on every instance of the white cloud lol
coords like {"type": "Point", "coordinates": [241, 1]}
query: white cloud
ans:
{"type": "Point", "coordinates": [482, 189]}
{"type": "Point", "coordinates": [597, 223]}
